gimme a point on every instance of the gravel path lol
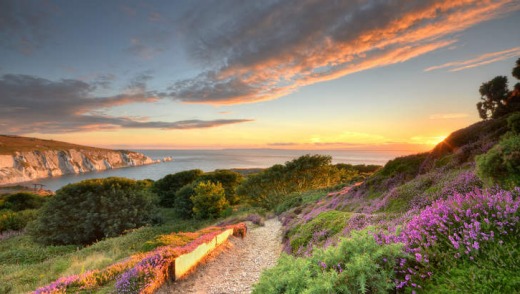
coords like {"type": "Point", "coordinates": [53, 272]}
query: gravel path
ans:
{"type": "Point", "coordinates": [236, 265]}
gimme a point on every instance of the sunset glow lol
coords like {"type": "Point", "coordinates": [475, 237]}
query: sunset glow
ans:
{"type": "Point", "coordinates": [229, 74]}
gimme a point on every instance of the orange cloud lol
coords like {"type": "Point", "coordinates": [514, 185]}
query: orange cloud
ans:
{"type": "Point", "coordinates": [270, 60]}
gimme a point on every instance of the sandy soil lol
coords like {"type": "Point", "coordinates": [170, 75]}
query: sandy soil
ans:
{"type": "Point", "coordinates": [236, 265]}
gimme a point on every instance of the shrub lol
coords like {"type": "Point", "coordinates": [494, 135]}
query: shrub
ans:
{"type": "Point", "coordinates": [22, 200]}
{"type": "Point", "coordinates": [501, 164]}
{"type": "Point", "coordinates": [166, 187]}
{"type": "Point", "coordinates": [209, 200]}
{"type": "Point", "coordinates": [91, 210]}
{"type": "Point", "coordinates": [513, 123]}
{"type": "Point", "coordinates": [15, 221]}
{"type": "Point", "coordinates": [273, 185]}
{"type": "Point", "coordinates": [183, 205]}
{"type": "Point", "coordinates": [357, 265]}
{"type": "Point", "coordinates": [229, 180]}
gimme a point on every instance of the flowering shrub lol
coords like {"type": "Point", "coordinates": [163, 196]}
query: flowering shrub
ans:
{"type": "Point", "coordinates": [460, 227]}
{"type": "Point", "coordinates": [141, 273]}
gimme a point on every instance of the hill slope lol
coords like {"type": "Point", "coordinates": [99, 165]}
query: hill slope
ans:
{"type": "Point", "coordinates": [24, 159]}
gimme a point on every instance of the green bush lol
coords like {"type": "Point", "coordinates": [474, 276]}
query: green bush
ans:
{"type": "Point", "coordinates": [183, 205]}
{"type": "Point", "coordinates": [229, 180]}
{"type": "Point", "coordinates": [501, 164]}
{"type": "Point", "coordinates": [513, 123]}
{"type": "Point", "coordinates": [273, 185]}
{"type": "Point", "coordinates": [166, 187]}
{"type": "Point", "coordinates": [209, 200]}
{"type": "Point", "coordinates": [15, 221]}
{"type": "Point", "coordinates": [357, 265]}
{"type": "Point", "coordinates": [91, 210]}
{"type": "Point", "coordinates": [22, 200]}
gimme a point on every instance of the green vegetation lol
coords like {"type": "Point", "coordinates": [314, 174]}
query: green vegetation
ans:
{"type": "Point", "coordinates": [356, 265]}
{"type": "Point", "coordinates": [272, 186]}
{"type": "Point", "coordinates": [98, 208]}
{"type": "Point", "coordinates": [317, 230]}
{"type": "Point", "coordinates": [26, 265]}
{"type": "Point", "coordinates": [11, 144]}
{"type": "Point", "coordinates": [21, 201]}
{"type": "Point", "coordinates": [209, 200]}
{"type": "Point", "coordinates": [167, 187]}
{"type": "Point", "coordinates": [501, 164]}
{"type": "Point", "coordinates": [497, 99]}
{"type": "Point", "coordinates": [229, 181]}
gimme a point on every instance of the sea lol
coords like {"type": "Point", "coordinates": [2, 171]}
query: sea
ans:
{"type": "Point", "coordinates": [210, 160]}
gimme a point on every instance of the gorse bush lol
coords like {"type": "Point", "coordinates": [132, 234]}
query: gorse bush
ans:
{"type": "Point", "coordinates": [91, 210]}
{"type": "Point", "coordinates": [209, 200]}
{"type": "Point", "coordinates": [229, 181]}
{"type": "Point", "coordinates": [357, 265]}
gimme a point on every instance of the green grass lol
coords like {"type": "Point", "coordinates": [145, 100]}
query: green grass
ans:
{"type": "Point", "coordinates": [332, 222]}
{"type": "Point", "coordinates": [25, 265]}
{"type": "Point", "coordinates": [11, 144]}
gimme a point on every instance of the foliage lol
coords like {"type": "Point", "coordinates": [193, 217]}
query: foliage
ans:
{"type": "Point", "coordinates": [304, 236]}
{"type": "Point", "coordinates": [513, 123]}
{"type": "Point", "coordinates": [462, 228]}
{"type": "Point", "coordinates": [14, 221]}
{"type": "Point", "coordinates": [357, 265]}
{"type": "Point", "coordinates": [209, 200]}
{"type": "Point", "coordinates": [229, 180]}
{"type": "Point", "coordinates": [98, 208]}
{"type": "Point", "coordinates": [140, 273]}
{"type": "Point", "coordinates": [183, 205]}
{"type": "Point", "coordinates": [271, 186]}
{"type": "Point", "coordinates": [501, 164]}
{"type": "Point", "coordinates": [496, 98]}
{"type": "Point", "coordinates": [167, 187]}
{"type": "Point", "coordinates": [21, 201]}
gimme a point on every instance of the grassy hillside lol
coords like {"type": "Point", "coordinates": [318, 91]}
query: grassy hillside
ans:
{"type": "Point", "coordinates": [11, 144]}
{"type": "Point", "coordinates": [424, 221]}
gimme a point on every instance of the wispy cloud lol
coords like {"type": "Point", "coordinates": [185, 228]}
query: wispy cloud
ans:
{"type": "Point", "coordinates": [266, 50]}
{"type": "Point", "coordinates": [483, 59]}
{"type": "Point", "coordinates": [448, 115]}
{"type": "Point", "coordinates": [31, 104]}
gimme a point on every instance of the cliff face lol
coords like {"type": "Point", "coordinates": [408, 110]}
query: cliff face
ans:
{"type": "Point", "coordinates": [29, 165]}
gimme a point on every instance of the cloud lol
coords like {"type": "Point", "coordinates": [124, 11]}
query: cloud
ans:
{"type": "Point", "coordinates": [24, 25]}
{"type": "Point", "coordinates": [448, 115]}
{"type": "Point", "coordinates": [256, 51]}
{"type": "Point", "coordinates": [30, 104]}
{"type": "Point", "coordinates": [483, 59]}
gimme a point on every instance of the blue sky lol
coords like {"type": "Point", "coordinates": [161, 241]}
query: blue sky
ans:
{"type": "Point", "coordinates": [246, 74]}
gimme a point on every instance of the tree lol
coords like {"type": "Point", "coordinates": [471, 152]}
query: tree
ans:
{"type": "Point", "coordinates": [92, 210]}
{"type": "Point", "coordinates": [497, 100]}
{"type": "Point", "coordinates": [494, 94]}
{"type": "Point", "coordinates": [167, 187]}
{"type": "Point", "coordinates": [209, 200]}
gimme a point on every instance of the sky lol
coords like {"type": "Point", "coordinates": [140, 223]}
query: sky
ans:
{"type": "Point", "coordinates": [302, 74]}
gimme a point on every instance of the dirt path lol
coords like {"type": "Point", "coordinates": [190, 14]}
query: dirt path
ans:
{"type": "Point", "coordinates": [235, 266]}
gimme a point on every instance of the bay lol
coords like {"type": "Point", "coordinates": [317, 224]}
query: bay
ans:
{"type": "Point", "coordinates": [210, 160]}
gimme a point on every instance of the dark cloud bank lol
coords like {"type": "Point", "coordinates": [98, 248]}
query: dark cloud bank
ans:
{"type": "Point", "coordinates": [30, 104]}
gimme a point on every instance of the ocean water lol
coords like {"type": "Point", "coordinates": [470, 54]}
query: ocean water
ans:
{"type": "Point", "coordinates": [210, 160]}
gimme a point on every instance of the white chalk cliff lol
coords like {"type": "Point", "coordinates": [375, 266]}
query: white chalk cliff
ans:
{"type": "Point", "coordinates": [29, 165]}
